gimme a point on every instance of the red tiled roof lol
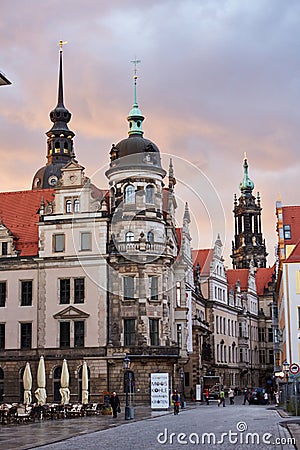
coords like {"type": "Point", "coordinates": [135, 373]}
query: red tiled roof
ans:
{"type": "Point", "coordinates": [19, 213]}
{"type": "Point", "coordinates": [234, 275]}
{"type": "Point", "coordinates": [203, 257]}
{"type": "Point", "coordinates": [291, 216]}
{"type": "Point", "coordinates": [263, 276]}
{"type": "Point", "coordinates": [179, 236]}
{"type": "Point", "coordinates": [295, 254]}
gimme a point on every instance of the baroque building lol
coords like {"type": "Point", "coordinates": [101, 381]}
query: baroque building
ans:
{"type": "Point", "coordinates": [93, 274]}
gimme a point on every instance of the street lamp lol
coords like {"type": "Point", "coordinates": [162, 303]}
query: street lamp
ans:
{"type": "Point", "coordinates": [286, 367]}
{"type": "Point", "coordinates": [126, 365]}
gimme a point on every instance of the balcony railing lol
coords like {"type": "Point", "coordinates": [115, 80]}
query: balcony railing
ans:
{"type": "Point", "coordinates": [151, 248]}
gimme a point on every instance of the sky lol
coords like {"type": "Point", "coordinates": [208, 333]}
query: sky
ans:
{"type": "Point", "coordinates": [217, 78]}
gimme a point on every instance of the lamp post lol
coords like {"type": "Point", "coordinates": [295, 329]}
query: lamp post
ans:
{"type": "Point", "coordinates": [181, 373]}
{"type": "Point", "coordinates": [286, 367]}
{"type": "Point", "coordinates": [126, 364]}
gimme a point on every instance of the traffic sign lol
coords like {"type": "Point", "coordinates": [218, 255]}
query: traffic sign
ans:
{"type": "Point", "coordinates": [294, 368]}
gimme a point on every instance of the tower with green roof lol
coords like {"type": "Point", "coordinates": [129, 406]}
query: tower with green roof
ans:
{"type": "Point", "coordinates": [248, 244]}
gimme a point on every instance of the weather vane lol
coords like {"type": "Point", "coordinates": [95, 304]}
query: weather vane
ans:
{"type": "Point", "coordinates": [61, 43]}
{"type": "Point", "coordinates": [135, 62]}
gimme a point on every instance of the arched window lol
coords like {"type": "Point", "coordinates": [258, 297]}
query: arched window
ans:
{"type": "Point", "coordinates": [149, 194]}
{"type": "Point", "coordinates": [56, 384]}
{"type": "Point", "coordinates": [129, 237]}
{"type": "Point", "coordinates": [1, 384]}
{"type": "Point", "coordinates": [150, 237]}
{"type": "Point", "coordinates": [69, 207]}
{"type": "Point", "coordinates": [76, 206]}
{"type": "Point", "coordinates": [80, 383]}
{"type": "Point", "coordinates": [112, 198]}
{"type": "Point", "coordinates": [129, 194]}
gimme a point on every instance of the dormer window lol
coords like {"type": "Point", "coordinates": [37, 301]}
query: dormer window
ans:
{"type": "Point", "coordinates": [129, 194]}
{"type": "Point", "coordinates": [287, 231]}
{"type": "Point", "coordinates": [150, 237]}
{"type": "Point", "coordinates": [4, 246]}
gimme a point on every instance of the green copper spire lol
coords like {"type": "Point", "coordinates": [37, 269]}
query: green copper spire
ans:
{"type": "Point", "coordinates": [135, 117]}
{"type": "Point", "coordinates": [247, 185]}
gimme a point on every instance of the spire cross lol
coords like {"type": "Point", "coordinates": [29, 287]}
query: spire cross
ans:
{"type": "Point", "coordinates": [135, 62]}
{"type": "Point", "coordinates": [61, 43]}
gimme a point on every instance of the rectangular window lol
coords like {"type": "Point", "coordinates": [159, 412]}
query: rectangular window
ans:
{"type": "Point", "coordinates": [271, 357]}
{"type": "Point", "coordinates": [64, 291]}
{"type": "Point", "coordinates": [64, 334]}
{"type": "Point", "coordinates": [2, 336]}
{"type": "Point", "coordinates": [297, 281]}
{"type": "Point", "coordinates": [2, 293]}
{"type": "Point", "coordinates": [270, 334]}
{"type": "Point", "coordinates": [78, 290]}
{"type": "Point", "coordinates": [154, 333]}
{"type": "Point", "coordinates": [59, 242]}
{"type": "Point", "coordinates": [153, 288]}
{"type": "Point", "coordinates": [287, 231]}
{"type": "Point", "coordinates": [26, 293]}
{"type": "Point", "coordinates": [262, 356]}
{"type": "Point", "coordinates": [4, 248]}
{"type": "Point", "coordinates": [85, 241]}
{"type": "Point", "coordinates": [128, 284]}
{"type": "Point", "coordinates": [261, 334]}
{"type": "Point", "coordinates": [179, 335]}
{"type": "Point", "coordinates": [79, 334]}
{"type": "Point", "coordinates": [26, 335]}
{"type": "Point", "coordinates": [129, 332]}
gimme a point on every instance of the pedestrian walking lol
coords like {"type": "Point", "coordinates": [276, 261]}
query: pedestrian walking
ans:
{"type": "Point", "coordinates": [222, 398]}
{"type": "Point", "coordinates": [231, 396]}
{"type": "Point", "coordinates": [176, 402]}
{"type": "Point", "coordinates": [246, 396]}
{"type": "Point", "coordinates": [115, 404]}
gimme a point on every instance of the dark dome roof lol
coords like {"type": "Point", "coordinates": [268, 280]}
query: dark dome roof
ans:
{"type": "Point", "coordinates": [135, 144]}
{"type": "Point", "coordinates": [43, 177]}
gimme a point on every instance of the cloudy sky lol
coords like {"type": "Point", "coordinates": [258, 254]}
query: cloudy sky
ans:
{"type": "Point", "coordinates": [217, 78]}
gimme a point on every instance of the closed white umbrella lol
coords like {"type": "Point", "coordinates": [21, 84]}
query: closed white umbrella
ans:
{"type": "Point", "coordinates": [85, 383]}
{"type": "Point", "coordinates": [27, 383]}
{"type": "Point", "coordinates": [41, 393]}
{"type": "Point", "coordinates": [64, 384]}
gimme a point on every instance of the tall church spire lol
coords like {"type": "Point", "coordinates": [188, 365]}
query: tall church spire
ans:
{"type": "Point", "coordinates": [248, 244]}
{"type": "Point", "coordinates": [60, 139]}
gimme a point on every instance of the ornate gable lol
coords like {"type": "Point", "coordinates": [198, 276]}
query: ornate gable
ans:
{"type": "Point", "coordinates": [72, 175]}
{"type": "Point", "coordinates": [71, 313]}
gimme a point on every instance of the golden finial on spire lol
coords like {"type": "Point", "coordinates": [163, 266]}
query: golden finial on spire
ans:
{"type": "Point", "coordinates": [245, 156]}
{"type": "Point", "coordinates": [61, 43]}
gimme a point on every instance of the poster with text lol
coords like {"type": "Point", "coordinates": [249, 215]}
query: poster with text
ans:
{"type": "Point", "coordinates": [159, 390]}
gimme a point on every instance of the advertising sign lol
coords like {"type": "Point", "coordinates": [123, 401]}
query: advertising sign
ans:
{"type": "Point", "coordinates": [160, 391]}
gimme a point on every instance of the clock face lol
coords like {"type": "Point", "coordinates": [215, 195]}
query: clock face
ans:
{"type": "Point", "coordinates": [52, 180]}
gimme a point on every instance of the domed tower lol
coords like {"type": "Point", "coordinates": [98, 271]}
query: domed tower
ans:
{"type": "Point", "coordinates": [59, 142]}
{"type": "Point", "coordinates": [248, 244]}
{"type": "Point", "coordinates": [143, 245]}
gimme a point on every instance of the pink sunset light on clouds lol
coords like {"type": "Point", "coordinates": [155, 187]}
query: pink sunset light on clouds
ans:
{"type": "Point", "coordinates": [217, 78]}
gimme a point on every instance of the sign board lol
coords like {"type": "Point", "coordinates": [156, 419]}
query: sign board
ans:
{"type": "Point", "coordinates": [198, 392]}
{"type": "Point", "coordinates": [160, 395]}
{"type": "Point", "coordinates": [294, 368]}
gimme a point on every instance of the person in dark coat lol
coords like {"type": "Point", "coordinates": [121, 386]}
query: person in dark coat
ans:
{"type": "Point", "coordinates": [115, 404]}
